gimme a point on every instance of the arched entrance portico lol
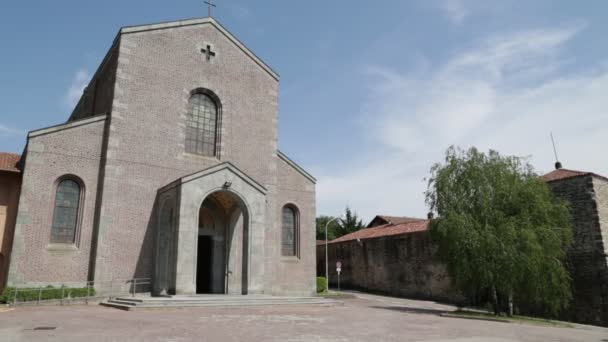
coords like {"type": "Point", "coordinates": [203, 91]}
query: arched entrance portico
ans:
{"type": "Point", "coordinates": [222, 244]}
{"type": "Point", "coordinates": [211, 234]}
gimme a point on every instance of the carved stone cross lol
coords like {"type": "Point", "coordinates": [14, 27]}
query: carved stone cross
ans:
{"type": "Point", "coordinates": [208, 53]}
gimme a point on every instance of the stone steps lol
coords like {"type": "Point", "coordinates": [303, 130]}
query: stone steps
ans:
{"type": "Point", "coordinates": [156, 303]}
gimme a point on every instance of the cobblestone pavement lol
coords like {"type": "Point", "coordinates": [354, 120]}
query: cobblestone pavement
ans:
{"type": "Point", "coordinates": [366, 318]}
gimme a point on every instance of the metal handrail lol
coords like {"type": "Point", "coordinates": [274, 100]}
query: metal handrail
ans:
{"type": "Point", "coordinates": [135, 282]}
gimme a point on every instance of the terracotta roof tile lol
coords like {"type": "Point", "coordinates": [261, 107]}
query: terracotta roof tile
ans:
{"type": "Point", "coordinates": [380, 220]}
{"type": "Point", "coordinates": [560, 174]}
{"type": "Point", "coordinates": [411, 226]}
{"type": "Point", "coordinates": [8, 162]}
{"type": "Point", "coordinates": [398, 219]}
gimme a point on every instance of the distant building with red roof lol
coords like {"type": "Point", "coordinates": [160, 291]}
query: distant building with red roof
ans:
{"type": "Point", "coordinates": [560, 174]}
{"type": "Point", "coordinates": [380, 220]}
{"type": "Point", "coordinates": [10, 184]}
{"type": "Point", "coordinates": [9, 162]}
{"type": "Point", "coordinates": [390, 229]}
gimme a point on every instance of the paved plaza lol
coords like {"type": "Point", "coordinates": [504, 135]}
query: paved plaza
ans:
{"type": "Point", "coordinates": [365, 318]}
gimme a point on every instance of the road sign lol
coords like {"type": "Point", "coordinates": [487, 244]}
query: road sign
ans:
{"type": "Point", "coordinates": [338, 269]}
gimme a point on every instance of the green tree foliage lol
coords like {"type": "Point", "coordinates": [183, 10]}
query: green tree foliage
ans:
{"type": "Point", "coordinates": [499, 229]}
{"type": "Point", "coordinates": [332, 228]}
{"type": "Point", "coordinates": [350, 223]}
{"type": "Point", "coordinates": [338, 227]}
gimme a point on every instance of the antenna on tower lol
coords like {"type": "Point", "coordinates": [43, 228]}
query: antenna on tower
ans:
{"type": "Point", "coordinates": [558, 165]}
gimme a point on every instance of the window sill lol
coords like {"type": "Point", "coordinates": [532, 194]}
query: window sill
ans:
{"type": "Point", "coordinates": [199, 156]}
{"type": "Point", "coordinates": [61, 247]}
{"type": "Point", "coordinates": [290, 259]}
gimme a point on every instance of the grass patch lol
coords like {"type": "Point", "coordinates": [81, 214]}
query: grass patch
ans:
{"type": "Point", "coordinates": [506, 319]}
{"type": "Point", "coordinates": [321, 285]}
{"type": "Point", "coordinates": [45, 293]}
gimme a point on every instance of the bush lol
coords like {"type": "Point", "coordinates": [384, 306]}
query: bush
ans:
{"type": "Point", "coordinates": [321, 284]}
{"type": "Point", "coordinates": [47, 293]}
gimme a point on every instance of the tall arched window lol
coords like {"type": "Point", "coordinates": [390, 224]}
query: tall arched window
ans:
{"type": "Point", "coordinates": [65, 215]}
{"type": "Point", "coordinates": [289, 241]}
{"type": "Point", "coordinates": [202, 124]}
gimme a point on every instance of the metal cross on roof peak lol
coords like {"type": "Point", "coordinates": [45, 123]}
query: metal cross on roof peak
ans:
{"type": "Point", "coordinates": [210, 5]}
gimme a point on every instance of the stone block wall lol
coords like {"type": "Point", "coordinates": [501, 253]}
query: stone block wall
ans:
{"type": "Point", "coordinates": [400, 265]}
{"type": "Point", "coordinates": [588, 198]}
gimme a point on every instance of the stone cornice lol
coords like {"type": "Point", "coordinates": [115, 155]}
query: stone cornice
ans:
{"type": "Point", "coordinates": [296, 166]}
{"type": "Point", "coordinates": [68, 125]}
{"type": "Point", "coordinates": [216, 168]}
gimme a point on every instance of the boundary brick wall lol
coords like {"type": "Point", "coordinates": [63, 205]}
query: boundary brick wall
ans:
{"type": "Point", "coordinates": [401, 265]}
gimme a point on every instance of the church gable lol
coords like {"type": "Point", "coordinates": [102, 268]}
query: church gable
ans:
{"type": "Point", "coordinates": [226, 168]}
{"type": "Point", "coordinates": [166, 77]}
{"type": "Point", "coordinates": [207, 50]}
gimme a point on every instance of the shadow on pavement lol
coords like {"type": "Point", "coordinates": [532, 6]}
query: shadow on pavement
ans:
{"type": "Point", "coordinates": [406, 309]}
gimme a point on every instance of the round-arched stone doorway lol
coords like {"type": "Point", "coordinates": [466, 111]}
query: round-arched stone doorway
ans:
{"type": "Point", "coordinates": [222, 244]}
{"type": "Point", "coordinates": [211, 234]}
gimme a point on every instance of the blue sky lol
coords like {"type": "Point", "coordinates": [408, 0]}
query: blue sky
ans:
{"type": "Point", "coordinates": [371, 94]}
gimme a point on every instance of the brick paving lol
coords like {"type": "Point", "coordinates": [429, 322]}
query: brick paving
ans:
{"type": "Point", "coordinates": [366, 318]}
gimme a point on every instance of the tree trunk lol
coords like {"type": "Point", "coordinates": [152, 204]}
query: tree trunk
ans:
{"type": "Point", "coordinates": [495, 300]}
{"type": "Point", "coordinates": [510, 303]}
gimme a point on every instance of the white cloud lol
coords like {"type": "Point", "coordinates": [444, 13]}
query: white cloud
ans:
{"type": "Point", "coordinates": [79, 82]}
{"type": "Point", "coordinates": [454, 10]}
{"type": "Point", "coordinates": [7, 131]}
{"type": "Point", "coordinates": [504, 93]}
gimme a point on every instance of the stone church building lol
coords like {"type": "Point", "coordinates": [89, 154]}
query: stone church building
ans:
{"type": "Point", "coordinates": [168, 168]}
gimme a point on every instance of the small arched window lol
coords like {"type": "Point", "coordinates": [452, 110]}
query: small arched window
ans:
{"type": "Point", "coordinates": [202, 125]}
{"type": "Point", "coordinates": [66, 212]}
{"type": "Point", "coordinates": [289, 241]}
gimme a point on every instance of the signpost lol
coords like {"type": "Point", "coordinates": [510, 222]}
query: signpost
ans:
{"type": "Point", "coordinates": [338, 269]}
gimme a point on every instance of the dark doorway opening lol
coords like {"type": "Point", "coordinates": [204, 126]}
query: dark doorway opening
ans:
{"type": "Point", "coordinates": [203, 264]}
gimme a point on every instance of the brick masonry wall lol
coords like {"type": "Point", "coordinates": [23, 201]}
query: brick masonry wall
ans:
{"type": "Point", "coordinates": [292, 275]}
{"type": "Point", "coordinates": [157, 72]}
{"type": "Point", "coordinates": [145, 84]}
{"type": "Point", "coordinates": [402, 265]}
{"type": "Point", "coordinates": [10, 184]}
{"type": "Point", "coordinates": [588, 198]}
{"type": "Point", "coordinates": [98, 96]}
{"type": "Point", "coordinates": [67, 151]}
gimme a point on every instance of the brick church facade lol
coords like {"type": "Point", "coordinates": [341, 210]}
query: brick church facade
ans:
{"type": "Point", "coordinates": [168, 168]}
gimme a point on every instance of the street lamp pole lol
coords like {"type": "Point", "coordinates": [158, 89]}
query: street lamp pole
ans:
{"type": "Point", "coordinates": [326, 254]}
